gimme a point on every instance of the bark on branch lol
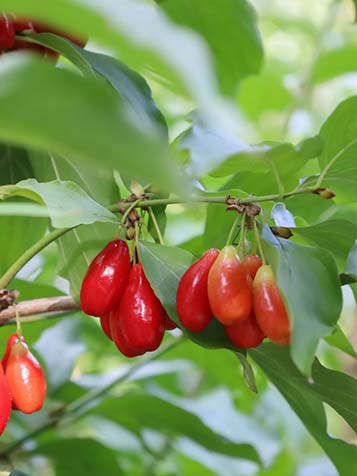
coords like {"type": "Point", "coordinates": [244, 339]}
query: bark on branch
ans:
{"type": "Point", "coordinates": [35, 307]}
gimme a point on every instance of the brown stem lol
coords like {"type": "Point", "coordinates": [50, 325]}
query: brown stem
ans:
{"type": "Point", "coordinates": [50, 305]}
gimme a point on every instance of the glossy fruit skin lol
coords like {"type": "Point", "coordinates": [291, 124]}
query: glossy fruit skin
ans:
{"type": "Point", "coordinates": [193, 307]}
{"type": "Point", "coordinates": [229, 288]}
{"type": "Point", "coordinates": [269, 307]}
{"type": "Point", "coordinates": [141, 315]}
{"type": "Point", "coordinates": [118, 338]}
{"type": "Point", "coordinates": [169, 324]}
{"type": "Point", "coordinates": [105, 324]}
{"type": "Point", "coordinates": [26, 380]}
{"type": "Point", "coordinates": [105, 280]}
{"type": "Point", "coordinates": [252, 263]}
{"type": "Point", "coordinates": [245, 334]}
{"type": "Point", "coordinates": [7, 33]}
{"type": "Point", "coordinates": [5, 401]}
{"type": "Point", "coordinates": [13, 339]}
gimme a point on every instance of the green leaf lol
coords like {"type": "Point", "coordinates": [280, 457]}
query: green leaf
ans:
{"type": "Point", "coordinates": [136, 411]}
{"type": "Point", "coordinates": [164, 267]}
{"type": "Point", "coordinates": [334, 63]}
{"type": "Point", "coordinates": [68, 204]}
{"type": "Point", "coordinates": [229, 27]}
{"type": "Point", "coordinates": [339, 340]}
{"type": "Point", "coordinates": [91, 457]}
{"type": "Point", "coordinates": [336, 236]}
{"type": "Point", "coordinates": [309, 283]}
{"type": "Point", "coordinates": [339, 135]}
{"type": "Point", "coordinates": [305, 399]}
{"type": "Point", "coordinates": [88, 122]}
{"type": "Point", "coordinates": [350, 274]}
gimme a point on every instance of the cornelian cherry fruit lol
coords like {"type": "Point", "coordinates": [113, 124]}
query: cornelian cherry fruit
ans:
{"type": "Point", "coordinates": [105, 324]}
{"type": "Point", "coordinates": [7, 33]}
{"type": "Point", "coordinates": [252, 263]}
{"type": "Point", "coordinates": [106, 278]}
{"type": "Point", "coordinates": [5, 401]}
{"type": "Point", "coordinates": [192, 303]}
{"type": "Point", "coordinates": [245, 334]}
{"type": "Point", "coordinates": [141, 316]}
{"type": "Point", "coordinates": [13, 339]}
{"type": "Point", "coordinates": [229, 288]}
{"type": "Point", "coordinates": [119, 340]}
{"type": "Point", "coordinates": [26, 380]}
{"type": "Point", "coordinates": [169, 324]}
{"type": "Point", "coordinates": [269, 307]}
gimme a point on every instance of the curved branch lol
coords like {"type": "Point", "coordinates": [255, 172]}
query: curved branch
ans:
{"type": "Point", "coordinates": [52, 305]}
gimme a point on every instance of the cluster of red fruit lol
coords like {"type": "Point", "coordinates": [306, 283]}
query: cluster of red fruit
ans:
{"type": "Point", "coordinates": [241, 295]}
{"type": "Point", "coordinates": [10, 26]}
{"type": "Point", "coordinates": [121, 296]}
{"type": "Point", "coordinates": [22, 381]}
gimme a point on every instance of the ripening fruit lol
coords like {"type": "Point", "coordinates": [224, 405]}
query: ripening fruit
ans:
{"type": "Point", "coordinates": [229, 288]}
{"type": "Point", "coordinates": [141, 315]}
{"type": "Point", "coordinates": [13, 339]}
{"type": "Point", "coordinates": [252, 263]}
{"type": "Point", "coordinates": [105, 324]}
{"type": "Point", "coordinates": [5, 401]}
{"type": "Point", "coordinates": [7, 33]}
{"type": "Point", "coordinates": [192, 303]}
{"type": "Point", "coordinates": [106, 278]}
{"type": "Point", "coordinates": [169, 324]}
{"type": "Point", "coordinates": [269, 307]}
{"type": "Point", "coordinates": [27, 382]}
{"type": "Point", "coordinates": [245, 334]}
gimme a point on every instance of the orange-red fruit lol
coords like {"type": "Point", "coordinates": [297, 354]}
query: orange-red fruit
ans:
{"type": "Point", "coordinates": [141, 315]}
{"type": "Point", "coordinates": [105, 280]}
{"type": "Point", "coordinates": [192, 303]}
{"type": "Point", "coordinates": [245, 334]}
{"type": "Point", "coordinates": [269, 307]}
{"type": "Point", "coordinates": [105, 324]}
{"type": "Point", "coordinates": [252, 263]}
{"type": "Point", "coordinates": [13, 339]}
{"type": "Point", "coordinates": [5, 401]}
{"type": "Point", "coordinates": [26, 380]}
{"type": "Point", "coordinates": [229, 288]}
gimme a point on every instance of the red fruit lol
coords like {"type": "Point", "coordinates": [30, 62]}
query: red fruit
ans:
{"type": "Point", "coordinates": [7, 33]}
{"type": "Point", "coordinates": [192, 303]}
{"type": "Point", "coordinates": [269, 307]}
{"type": "Point", "coordinates": [118, 338]}
{"type": "Point", "coordinates": [229, 288]}
{"type": "Point", "coordinates": [13, 339]}
{"type": "Point", "coordinates": [106, 278]}
{"type": "Point", "coordinates": [105, 324]}
{"type": "Point", "coordinates": [26, 379]}
{"type": "Point", "coordinates": [252, 263]}
{"type": "Point", "coordinates": [141, 315]}
{"type": "Point", "coordinates": [245, 334]}
{"type": "Point", "coordinates": [169, 324]}
{"type": "Point", "coordinates": [23, 24]}
{"type": "Point", "coordinates": [5, 401]}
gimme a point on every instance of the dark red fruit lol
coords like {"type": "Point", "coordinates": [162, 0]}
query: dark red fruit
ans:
{"type": "Point", "coordinates": [229, 288]}
{"type": "Point", "coordinates": [7, 33]}
{"type": "Point", "coordinates": [23, 24]}
{"type": "Point", "coordinates": [245, 334]}
{"type": "Point", "coordinates": [141, 315]}
{"type": "Point", "coordinates": [192, 303]}
{"type": "Point", "coordinates": [269, 307]}
{"type": "Point", "coordinates": [169, 324]}
{"type": "Point", "coordinates": [13, 339]}
{"type": "Point", "coordinates": [5, 401]}
{"type": "Point", "coordinates": [106, 278]}
{"type": "Point", "coordinates": [252, 263]}
{"type": "Point", "coordinates": [105, 324]}
{"type": "Point", "coordinates": [26, 380]}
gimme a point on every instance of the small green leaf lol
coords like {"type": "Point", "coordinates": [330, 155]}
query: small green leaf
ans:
{"type": "Point", "coordinates": [248, 372]}
{"type": "Point", "coordinates": [309, 283]}
{"type": "Point", "coordinates": [339, 340]}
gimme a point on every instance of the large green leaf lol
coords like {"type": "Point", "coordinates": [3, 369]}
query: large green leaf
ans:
{"type": "Point", "coordinates": [91, 457]}
{"type": "Point", "coordinates": [80, 118]}
{"type": "Point", "coordinates": [334, 63]}
{"type": "Point", "coordinates": [17, 233]}
{"type": "Point", "coordinates": [139, 33]}
{"type": "Point", "coordinates": [309, 283]}
{"type": "Point", "coordinates": [339, 135]}
{"type": "Point", "coordinates": [229, 27]}
{"type": "Point", "coordinates": [334, 388]}
{"type": "Point", "coordinates": [137, 411]}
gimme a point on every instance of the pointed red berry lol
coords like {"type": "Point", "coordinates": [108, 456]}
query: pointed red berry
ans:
{"type": "Point", "coordinates": [252, 263]}
{"type": "Point", "coordinates": [7, 33]}
{"type": "Point", "coordinates": [245, 334]}
{"type": "Point", "coordinates": [5, 401]}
